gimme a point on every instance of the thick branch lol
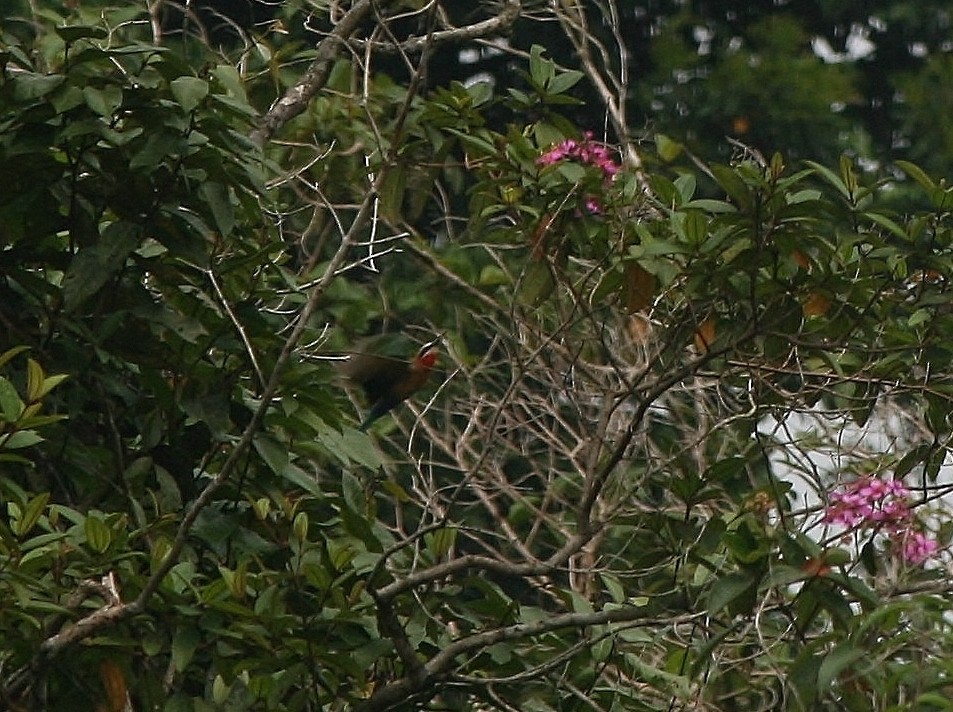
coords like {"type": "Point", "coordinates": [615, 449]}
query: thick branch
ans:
{"type": "Point", "coordinates": [440, 665]}
{"type": "Point", "coordinates": [495, 25]}
{"type": "Point", "coordinates": [484, 563]}
{"type": "Point", "coordinates": [297, 98]}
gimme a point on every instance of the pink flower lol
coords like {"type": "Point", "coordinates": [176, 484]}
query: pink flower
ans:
{"type": "Point", "coordinates": [884, 505]}
{"type": "Point", "coordinates": [917, 547]}
{"type": "Point", "coordinates": [585, 151]}
{"type": "Point", "coordinates": [557, 153]}
{"type": "Point", "coordinates": [869, 501]}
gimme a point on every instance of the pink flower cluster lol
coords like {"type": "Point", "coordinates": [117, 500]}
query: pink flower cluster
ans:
{"type": "Point", "coordinates": [918, 547]}
{"type": "Point", "coordinates": [872, 502]}
{"type": "Point", "coordinates": [585, 151]}
{"type": "Point", "coordinates": [869, 501]}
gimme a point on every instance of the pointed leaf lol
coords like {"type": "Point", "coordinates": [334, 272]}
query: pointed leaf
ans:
{"type": "Point", "coordinates": [219, 201]}
{"type": "Point", "coordinates": [95, 265]}
{"type": "Point", "coordinates": [828, 175]}
{"type": "Point", "coordinates": [98, 534]}
{"type": "Point", "coordinates": [34, 380]}
{"type": "Point", "coordinates": [189, 91]}
{"type": "Point", "coordinates": [727, 589]}
{"type": "Point", "coordinates": [835, 662]}
{"type": "Point", "coordinates": [10, 404]}
{"type": "Point", "coordinates": [9, 354]}
{"type": "Point", "coordinates": [919, 175]}
{"type": "Point", "coordinates": [31, 514]}
{"type": "Point", "coordinates": [733, 185]}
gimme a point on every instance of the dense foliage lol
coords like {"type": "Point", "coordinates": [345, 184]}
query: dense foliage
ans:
{"type": "Point", "coordinates": [684, 450]}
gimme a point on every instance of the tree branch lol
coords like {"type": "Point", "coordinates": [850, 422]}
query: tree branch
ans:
{"type": "Point", "coordinates": [297, 98]}
{"type": "Point", "coordinates": [507, 16]}
{"type": "Point", "coordinates": [112, 614]}
{"type": "Point", "coordinates": [439, 666]}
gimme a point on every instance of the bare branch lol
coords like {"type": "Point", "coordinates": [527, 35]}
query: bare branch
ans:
{"type": "Point", "coordinates": [440, 665]}
{"type": "Point", "coordinates": [297, 98]}
{"type": "Point", "coordinates": [508, 14]}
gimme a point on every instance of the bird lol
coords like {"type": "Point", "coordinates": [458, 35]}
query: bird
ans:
{"type": "Point", "coordinates": [388, 381]}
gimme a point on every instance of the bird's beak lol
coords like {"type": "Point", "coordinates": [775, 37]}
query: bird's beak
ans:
{"type": "Point", "coordinates": [435, 342]}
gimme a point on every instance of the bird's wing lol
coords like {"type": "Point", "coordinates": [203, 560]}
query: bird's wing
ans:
{"type": "Point", "coordinates": [375, 374]}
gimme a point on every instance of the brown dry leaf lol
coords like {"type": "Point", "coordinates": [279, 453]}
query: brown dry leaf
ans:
{"type": "Point", "coordinates": [539, 238]}
{"type": "Point", "coordinates": [815, 567]}
{"type": "Point", "coordinates": [114, 683]}
{"type": "Point", "coordinates": [705, 335]}
{"type": "Point", "coordinates": [639, 328]}
{"type": "Point", "coordinates": [802, 260]}
{"type": "Point", "coordinates": [816, 304]}
{"type": "Point", "coordinates": [638, 287]}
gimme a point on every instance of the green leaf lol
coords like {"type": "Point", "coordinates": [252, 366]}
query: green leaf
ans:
{"type": "Point", "coordinates": [440, 542]}
{"type": "Point", "coordinates": [159, 146]}
{"type": "Point", "coordinates": [10, 354]}
{"type": "Point", "coordinates": [353, 493]}
{"type": "Point", "coordinates": [34, 380]}
{"type": "Point", "coordinates": [28, 87]}
{"type": "Point", "coordinates": [20, 439]}
{"type": "Point", "coordinates": [71, 33]}
{"type": "Point", "coordinates": [392, 193]}
{"type": "Point", "coordinates": [220, 690]}
{"type": "Point", "coordinates": [492, 276]}
{"type": "Point", "coordinates": [95, 265]}
{"type": "Point", "coordinates": [540, 70]}
{"type": "Point", "coordinates": [49, 383]}
{"type": "Point", "coordinates": [668, 149]}
{"type": "Point", "coordinates": [728, 589]}
{"type": "Point", "coordinates": [941, 198]}
{"type": "Point", "coordinates": [231, 80]}
{"type": "Point", "coordinates": [733, 185]}
{"type": "Point", "coordinates": [919, 175]}
{"type": "Point", "coordinates": [564, 81]}
{"type": "Point", "coordinates": [189, 91]}
{"type": "Point", "coordinates": [305, 480]}
{"type": "Point", "coordinates": [695, 227]}
{"type": "Point", "coordinates": [350, 446]}
{"type": "Point", "coordinates": [802, 676]}
{"type": "Point", "coordinates": [103, 101]}
{"type": "Point", "coordinates": [480, 92]}
{"type": "Point", "coordinates": [685, 186]}
{"type": "Point", "coordinates": [547, 135]}
{"type": "Point", "coordinates": [31, 514]}
{"type": "Point", "coordinates": [484, 147]}
{"type": "Point", "coordinates": [219, 201]}
{"type": "Point", "coordinates": [614, 587]}
{"type": "Point", "coordinates": [11, 407]}
{"type": "Point", "coordinates": [886, 222]}
{"type": "Point", "coordinates": [572, 172]}
{"type": "Point", "coordinates": [808, 195]}
{"type": "Point", "coordinates": [835, 662]}
{"type": "Point", "coordinates": [832, 178]}
{"type": "Point", "coordinates": [98, 534]}
{"type": "Point", "coordinates": [184, 644]}
{"type": "Point", "coordinates": [537, 283]}
{"type": "Point", "coordinates": [726, 469]}
{"type": "Point", "coordinates": [934, 701]}
{"type": "Point", "coordinates": [274, 453]}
